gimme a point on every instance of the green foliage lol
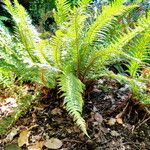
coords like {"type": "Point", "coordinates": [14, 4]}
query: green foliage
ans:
{"type": "Point", "coordinates": [38, 9]}
{"type": "Point", "coordinates": [41, 11]}
{"type": "Point", "coordinates": [20, 53]}
{"type": "Point", "coordinates": [62, 12]}
{"type": "Point", "coordinates": [73, 89]}
{"type": "Point", "coordinates": [74, 54]}
{"type": "Point", "coordinates": [6, 78]}
{"type": "Point", "coordinates": [138, 53]}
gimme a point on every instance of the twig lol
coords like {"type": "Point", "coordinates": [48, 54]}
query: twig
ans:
{"type": "Point", "coordinates": [142, 122]}
{"type": "Point", "coordinates": [72, 141]}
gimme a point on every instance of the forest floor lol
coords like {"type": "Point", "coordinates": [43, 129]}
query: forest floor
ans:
{"type": "Point", "coordinates": [115, 121]}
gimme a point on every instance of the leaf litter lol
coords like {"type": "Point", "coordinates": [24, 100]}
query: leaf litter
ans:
{"type": "Point", "coordinates": [111, 114]}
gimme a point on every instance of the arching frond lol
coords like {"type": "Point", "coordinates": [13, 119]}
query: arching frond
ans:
{"type": "Point", "coordinates": [26, 33]}
{"type": "Point", "coordinates": [73, 89]}
{"type": "Point", "coordinates": [62, 11]}
{"type": "Point", "coordinates": [6, 48]}
{"type": "Point", "coordinates": [71, 54]}
{"type": "Point", "coordinates": [83, 3]}
{"type": "Point", "coordinates": [138, 50]}
{"type": "Point", "coordinates": [108, 14]}
{"type": "Point", "coordinates": [56, 45]}
{"type": "Point", "coordinates": [106, 18]}
{"type": "Point", "coordinates": [75, 33]}
{"type": "Point", "coordinates": [116, 47]}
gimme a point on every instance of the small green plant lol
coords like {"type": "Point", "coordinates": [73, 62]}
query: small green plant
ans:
{"type": "Point", "coordinates": [71, 56]}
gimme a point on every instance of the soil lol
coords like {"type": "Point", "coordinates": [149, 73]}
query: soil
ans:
{"type": "Point", "coordinates": [115, 120]}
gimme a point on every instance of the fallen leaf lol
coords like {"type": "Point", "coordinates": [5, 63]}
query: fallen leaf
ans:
{"type": "Point", "coordinates": [105, 130]}
{"type": "Point", "coordinates": [36, 146]}
{"type": "Point", "coordinates": [23, 138]}
{"type": "Point", "coordinates": [11, 135]}
{"type": "Point", "coordinates": [53, 143]}
{"type": "Point", "coordinates": [33, 126]}
{"type": "Point", "coordinates": [98, 117]}
{"type": "Point", "coordinates": [111, 121]}
{"type": "Point", "coordinates": [35, 138]}
{"type": "Point", "coordinates": [8, 106]}
{"type": "Point", "coordinates": [69, 130]}
{"type": "Point", "coordinates": [119, 120]}
{"type": "Point", "coordinates": [119, 115]}
{"type": "Point", "coordinates": [76, 129]}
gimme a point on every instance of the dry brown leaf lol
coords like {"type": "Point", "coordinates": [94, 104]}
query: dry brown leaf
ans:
{"type": "Point", "coordinates": [119, 120]}
{"type": "Point", "coordinates": [111, 121]}
{"type": "Point", "coordinates": [119, 115]}
{"type": "Point", "coordinates": [36, 146]}
{"type": "Point", "coordinates": [23, 138]}
{"type": "Point", "coordinates": [53, 143]}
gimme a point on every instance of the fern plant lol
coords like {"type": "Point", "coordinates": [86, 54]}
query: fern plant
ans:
{"type": "Point", "coordinates": [70, 57]}
{"type": "Point", "coordinates": [139, 48]}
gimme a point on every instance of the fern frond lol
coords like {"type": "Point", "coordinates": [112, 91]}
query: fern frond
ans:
{"type": "Point", "coordinates": [75, 35]}
{"type": "Point", "coordinates": [116, 9]}
{"type": "Point", "coordinates": [26, 50]}
{"type": "Point", "coordinates": [5, 66]}
{"type": "Point", "coordinates": [138, 50]}
{"type": "Point", "coordinates": [44, 49]}
{"type": "Point", "coordinates": [67, 41]}
{"type": "Point", "coordinates": [83, 3]}
{"type": "Point", "coordinates": [62, 11]}
{"type": "Point", "coordinates": [73, 89]}
{"type": "Point", "coordinates": [26, 33]}
{"type": "Point", "coordinates": [116, 47]}
{"type": "Point", "coordinates": [106, 18]}
{"type": "Point", "coordinates": [137, 86]}
{"type": "Point", "coordinates": [6, 45]}
{"type": "Point", "coordinates": [57, 47]}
